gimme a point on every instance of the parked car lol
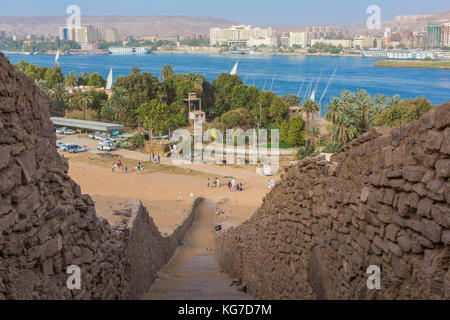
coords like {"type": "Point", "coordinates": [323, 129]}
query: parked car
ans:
{"type": "Point", "coordinates": [105, 142]}
{"type": "Point", "coordinates": [69, 131]}
{"type": "Point", "coordinates": [64, 146]}
{"type": "Point", "coordinates": [68, 147]}
{"type": "Point", "coordinates": [59, 144]}
{"type": "Point", "coordinates": [106, 147]}
{"type": "Point", "coordinates": [61, 130]}
{"type": "Point", "coordinates": [77, 149]}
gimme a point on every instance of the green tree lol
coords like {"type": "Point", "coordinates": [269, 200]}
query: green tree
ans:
{"type": "Point", "coordinates": [403, 112]}
{"type": "Point", "coordinates": [223, 86]}
{"type": "Point", "coordinates": [309, 107]}
{"type": "Point", "coordinates": [83, 101]}
{"type": "Point", "coordinates": [58, 100]}
{"type": "Point", "coordinates": [22, 65]}
{"type": "Point", "coordinates": [166, 72]}
{"type": "Point", "coordinates": [96, 80]}
{"type": "Point", "coordinates": [292, 131]}
{"type": "Point", "coordinates": [156, 116]}
{"type": "Point", "coordinates": [120, 104]}
{"type": "Point", "coordinates": [54, 76]}
{"type": "Point", "coordinates": [71, 80]}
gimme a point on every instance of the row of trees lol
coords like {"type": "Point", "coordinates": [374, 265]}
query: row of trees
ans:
{"type": "Point", "coordinates": [353, 114]}
{"type": "Point", "coordinates": [140, 99]}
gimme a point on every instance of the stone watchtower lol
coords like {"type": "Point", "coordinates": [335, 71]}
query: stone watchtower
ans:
{"type": "Point", "coordinates": [194, 113]}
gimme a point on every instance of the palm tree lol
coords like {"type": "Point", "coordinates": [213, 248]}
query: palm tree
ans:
{"type": "Point", "coordinates": [394, 101]}
{"type": "Point", "coordinates": [344, 130]}
{"type": "Point", "coordinates": [309, 107]}
{"type": "Point", "coordinates": [71, 79]}
{"type": "Point", "coordinates": [334, 110]}
{"type": "Point", "coordinates": [166, 72]}
{"type": "Point", "coordinates": [363, 103]}
{"type": "Point", "coordinates": [43, 85]}
{"type": "Point", "coordinates": [119, 101]}
{"type": "Point", "coordinates": [312, 137]}
{"type": "Point", "coordinates": [59, 99]}
{"type": "Point", "coordinates": [83, 100]}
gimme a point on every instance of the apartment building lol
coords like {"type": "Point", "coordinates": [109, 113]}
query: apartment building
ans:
{"type": "Point", "coordinates": [298, 39]}
{"type": "Point", "coordinates": [238, 35]}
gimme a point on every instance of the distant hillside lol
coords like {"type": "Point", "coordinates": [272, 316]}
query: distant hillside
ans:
{"type": "Point", "coordinates": [126, 25]}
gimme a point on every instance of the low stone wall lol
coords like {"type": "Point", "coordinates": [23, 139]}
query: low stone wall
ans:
{"type": "Point", "coordinates": [147, 250]}
{"type": "Point", "coordinates": [47, 225]}
{"type": "Point", "coordinates": [383, 201]}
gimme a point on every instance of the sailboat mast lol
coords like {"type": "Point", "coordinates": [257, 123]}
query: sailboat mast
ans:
{"type": "Point", "coordinates": [328, 85]}
{"type": "Point", "coordinates": [273, 79]}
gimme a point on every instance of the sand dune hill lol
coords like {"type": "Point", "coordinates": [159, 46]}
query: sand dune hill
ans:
{"type": "Point", "coordinates": [125, 25]}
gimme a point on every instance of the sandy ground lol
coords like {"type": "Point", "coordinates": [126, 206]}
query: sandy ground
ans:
{"type": "Point", "coordinates": [158, 186]}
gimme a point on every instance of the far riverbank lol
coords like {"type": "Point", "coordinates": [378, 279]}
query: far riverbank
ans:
{"type": "Point", "coordinates": [422, 64]}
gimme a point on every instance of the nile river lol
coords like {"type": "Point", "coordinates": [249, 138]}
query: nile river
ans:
{"type": "Point", "coordinates": [284, 74]}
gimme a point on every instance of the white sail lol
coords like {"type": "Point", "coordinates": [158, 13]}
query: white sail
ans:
{"type": "Point", "coordinates": [57, 57]}
{"type": "Point", "coordinates": [234, 70]}
{"type": "Point", "coordinates": [109, 82]}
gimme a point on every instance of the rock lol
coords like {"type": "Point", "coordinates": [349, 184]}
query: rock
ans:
{"type": "Point", "coordinates": [443, 168]}
{"type": "Point", "coordinates": [413, 173]}
{"type": "Point", "coordinates": [431, 230]}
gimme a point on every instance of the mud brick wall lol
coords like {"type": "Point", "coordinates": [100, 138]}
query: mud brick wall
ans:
{"type": "Point", "coordinates": [46, 224]}
{"type": "Point", "coordinates": [383, 201]}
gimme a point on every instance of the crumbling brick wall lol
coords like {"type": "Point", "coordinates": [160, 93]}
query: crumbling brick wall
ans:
{"type": "Point", "coordinates": [383, 201]}
{"type": "Point", "coordinates": [46, 224]}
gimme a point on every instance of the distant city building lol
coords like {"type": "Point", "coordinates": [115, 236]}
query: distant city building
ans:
{"type": "Point", "coordinates": [367, 42]}
{"type": "Point", "coordinates": [298, 39]}
{"type": "Point", "coordinates": [82, 34]}
{"type": "Point", "coordinates": [445, 35]}
{"type": "Point", "coordinates": [267, 41]}
{"type": "Point", "coordinates": [433, 37]}
{"type": "Point", "coordinates": [2, 35]}
{"type": "Point", "coordinates": [238, 35]}
{"type": "Point", "coordinates": [111, 35]}
{"type": "Point", "coordinates": [285, 41]}
{"type": "Point", "coordinates": [89, 46]}
{"type": "Point", "coordinates": [16, 37]}
{"type": "Point", "coordinates": [344, 43]}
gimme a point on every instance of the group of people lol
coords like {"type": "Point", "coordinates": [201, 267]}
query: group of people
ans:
{"type": "Point", "coordinates": [155, 158]}
{"type": "Point", "coordinates": [232, 185]}
{"type": "Point", "coordinates": [119, 165]}
{"type": "Point", "coordinates": [215, 183]}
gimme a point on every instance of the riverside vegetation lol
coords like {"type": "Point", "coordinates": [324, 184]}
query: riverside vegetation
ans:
{"type": "Point", "coordinates": [141, 100]}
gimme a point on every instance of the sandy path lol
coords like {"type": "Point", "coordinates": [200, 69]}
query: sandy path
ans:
{"type": "Point", "coordinates": [192, 273]}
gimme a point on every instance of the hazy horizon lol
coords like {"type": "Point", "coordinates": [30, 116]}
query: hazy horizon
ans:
{"type": "Point", "coordinates": [262, 12]}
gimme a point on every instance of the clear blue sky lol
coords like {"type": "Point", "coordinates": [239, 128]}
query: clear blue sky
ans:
{"type": "Point", "coordinates": [263, 12]}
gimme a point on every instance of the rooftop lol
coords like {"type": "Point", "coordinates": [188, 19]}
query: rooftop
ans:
{"type": "Point", "coordinates": [84, 124]}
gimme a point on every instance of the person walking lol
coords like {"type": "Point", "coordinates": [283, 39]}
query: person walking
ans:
{"type": "Point", "coordinates": [208, 182]}
{"type": "Point", "coordinates": [233, 183]}
{"type": "Point", "coordinates": [159, 158]}
{"type": "Point", "coordinates": [112, 167]}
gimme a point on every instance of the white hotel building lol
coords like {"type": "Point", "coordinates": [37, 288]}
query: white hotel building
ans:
{"type": "Point", "coordinates": [240, 35]}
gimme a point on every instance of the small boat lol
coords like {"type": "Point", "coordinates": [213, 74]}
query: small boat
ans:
{"type": "Point", "coordinates": [109, 82]}
{"type": "Point", "coordinates": [57, 57]}
{"type": "Point", "coordinates": [234, 70]}
{"type": "Point", "coordinates": [67, 53]}
{"type": "Point", "coordinates": [238, 52]}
